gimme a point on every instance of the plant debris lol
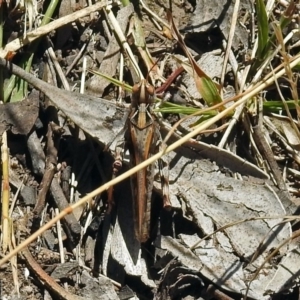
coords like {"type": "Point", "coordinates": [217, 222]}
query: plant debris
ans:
{"type": "Point", "coordinates": [227, 108]}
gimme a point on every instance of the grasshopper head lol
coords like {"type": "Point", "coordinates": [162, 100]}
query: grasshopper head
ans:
{"type": "Point", "coordinates": [142, 92]}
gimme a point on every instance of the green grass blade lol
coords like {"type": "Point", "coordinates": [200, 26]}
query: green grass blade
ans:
{"type": "Point", "coordinates": [209, 91]}
{"type": "Point", "coordinates": [263, 28]}
{"type": "Point", "coordinates": [19, 92]}
{"type": "Point", "coordinates": [112, 80]}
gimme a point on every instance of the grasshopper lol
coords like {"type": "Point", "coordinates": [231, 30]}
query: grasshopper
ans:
{"type": "Point", "coordinates": [142, 136]}
{"type": "Point", "coordinates": [142, 139]}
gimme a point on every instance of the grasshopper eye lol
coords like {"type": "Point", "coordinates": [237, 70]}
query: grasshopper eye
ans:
{"type": "Point", "coordinates": [150, 90]}
{"type": "Point", "coordinates": [136, 88]}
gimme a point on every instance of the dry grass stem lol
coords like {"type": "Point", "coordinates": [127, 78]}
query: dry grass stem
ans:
{"type": "Point", "coordinates": [18, 43]}
{"type": "Point", "coordinates": [5, 219]}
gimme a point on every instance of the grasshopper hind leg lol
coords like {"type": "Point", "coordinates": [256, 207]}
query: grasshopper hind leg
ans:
{"type": "Point", "coordinates": [163, 166]}
{"type": "Point", "coordinates": [164, 177]}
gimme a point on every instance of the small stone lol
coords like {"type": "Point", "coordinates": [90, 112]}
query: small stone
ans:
{"type": "Point", "coordinates": [27, 289]}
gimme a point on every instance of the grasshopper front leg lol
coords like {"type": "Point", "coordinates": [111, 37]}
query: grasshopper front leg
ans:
{"type": "Point", "coordinates": [117, 165]}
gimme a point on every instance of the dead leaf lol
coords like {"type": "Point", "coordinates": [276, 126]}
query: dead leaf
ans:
{"type": "Point", "coordinates": [214, 200]}
{"type": "Point", "coordinates": [18, 117]}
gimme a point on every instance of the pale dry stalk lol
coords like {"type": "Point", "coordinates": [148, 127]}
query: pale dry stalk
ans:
{"type": "Point", "coordinates": [5, 194]}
